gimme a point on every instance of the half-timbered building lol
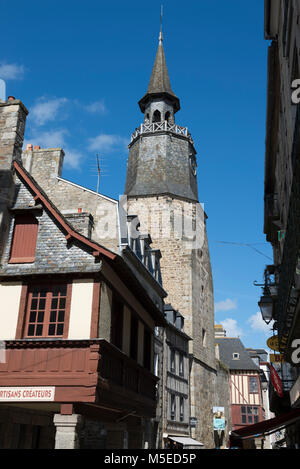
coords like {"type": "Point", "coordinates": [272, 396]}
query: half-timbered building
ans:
{"type": "Point", "coordinates": [76, 320]}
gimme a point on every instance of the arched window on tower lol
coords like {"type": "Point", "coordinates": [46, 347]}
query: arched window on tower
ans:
{"type": "Point", "coordinates": [156, 116]}
{"type": "Point", "coordinates": [168, 116]}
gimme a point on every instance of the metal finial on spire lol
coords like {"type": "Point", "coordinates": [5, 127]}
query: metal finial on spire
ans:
{"type": "Point", "coordinates": [161, 22]}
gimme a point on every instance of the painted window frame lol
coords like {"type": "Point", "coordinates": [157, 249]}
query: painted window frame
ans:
{"type": "Point", "coordinates": [250, 417]}
{"type": "Point", "coordinates": [24, 310]}
{"type": "Point", "coordinates": [172, 407]}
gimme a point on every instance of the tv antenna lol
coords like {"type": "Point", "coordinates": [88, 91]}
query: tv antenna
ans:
{"type": "Point", "coordinates": [99, 172]}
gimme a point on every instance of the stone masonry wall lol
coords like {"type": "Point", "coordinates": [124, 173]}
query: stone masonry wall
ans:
{"type": "Point", "coordinates": [12, 124]}
{"type": "Point", "coordinates": [187, 278]}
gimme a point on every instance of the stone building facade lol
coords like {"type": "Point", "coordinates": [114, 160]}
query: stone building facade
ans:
{"type": "Point", "coordinates": [282, 182]}
{"type": "Point", "coordinates": [161, 188]}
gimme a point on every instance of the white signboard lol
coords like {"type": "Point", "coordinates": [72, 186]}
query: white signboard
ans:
{"type": "Point", "coordinates": [26, 394]}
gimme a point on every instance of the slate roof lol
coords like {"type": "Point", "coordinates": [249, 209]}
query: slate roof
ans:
{"type": "Point", "coordinates": [160, 81]}
{"type": "Point", "coordinates": [227, 347]}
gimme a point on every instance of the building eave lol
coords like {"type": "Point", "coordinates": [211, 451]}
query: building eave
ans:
{"type": "Point", "coordinates": [272, 10]}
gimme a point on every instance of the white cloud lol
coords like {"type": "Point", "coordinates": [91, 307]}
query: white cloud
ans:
{"type": "Point", "coordinates": [226, 305]}
{"type": "Point", "coordinates": [98, 107]}
{"type": "Point", "coordinates": [48, 139]}
{"type": "Point", "coordinates": [57, 139]}
{"type": "Point", "coordinates": [257, 324]}
{"type": "Point", "coordinates": [231, 327]}
{"type": "Point", "coordinates": [73, 158]}
{"type": "Point", "coordinates": [11, 71]}
{"type": "Point", "coordinates": [46, 110]}
{"type": "Point", "coordinates": [105, 143]}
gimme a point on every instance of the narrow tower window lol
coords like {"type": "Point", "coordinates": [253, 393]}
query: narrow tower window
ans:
{"type": "Point", "coordinates": [156, 116]}
{"type": "Point", "coordinates": [168, 116]}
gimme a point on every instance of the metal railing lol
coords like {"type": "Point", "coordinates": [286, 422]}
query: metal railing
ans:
{"type": "Point", "coordinates": [161, 127]}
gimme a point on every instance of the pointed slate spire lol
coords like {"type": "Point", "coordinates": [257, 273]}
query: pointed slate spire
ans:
{"type": "Point", "coordinates": [159, 85]}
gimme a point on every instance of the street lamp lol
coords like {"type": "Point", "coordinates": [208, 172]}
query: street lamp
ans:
{"type": "Point", "coordinates": [266, 308]}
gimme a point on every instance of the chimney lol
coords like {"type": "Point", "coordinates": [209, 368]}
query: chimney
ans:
{"type": "Point", "coordinates": [83, 222]}
{"type": "Point", "coordinates": [44, 164]}
{"type": "Point", "coordinates": [12, 125]}
{"type": "Point", "coordinates": [220, 331]}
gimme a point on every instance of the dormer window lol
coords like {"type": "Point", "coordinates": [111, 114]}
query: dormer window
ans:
{"type": "Point", "coordinates": [236, 356]}
{"type": "Point", "coordinates": [24, 239]}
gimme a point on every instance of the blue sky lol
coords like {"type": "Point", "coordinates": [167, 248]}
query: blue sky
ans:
{"type": "Point", "coordinates": [81, 67]}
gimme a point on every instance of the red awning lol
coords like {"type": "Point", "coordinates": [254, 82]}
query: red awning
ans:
{"type": "Point", "coordinates": [267, 426]}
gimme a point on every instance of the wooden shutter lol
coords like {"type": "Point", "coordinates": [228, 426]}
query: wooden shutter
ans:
{"type": "Point", "coordinates": [24, 239]}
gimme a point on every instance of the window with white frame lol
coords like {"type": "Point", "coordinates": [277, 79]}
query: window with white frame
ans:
{"type": "Point", "coordinates": [181, 408]}
{"type": "Point", "coordinates": [172, 360]}
{"type": "Point", "coordinates": [181, 364]}
{"type": "Point", "coordinates": [173, 407]}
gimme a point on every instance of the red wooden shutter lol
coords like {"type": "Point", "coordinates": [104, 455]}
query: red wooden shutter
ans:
{"type": "Point", "coordinates": [24, 239]}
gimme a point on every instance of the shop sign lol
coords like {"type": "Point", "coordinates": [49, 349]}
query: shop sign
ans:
{"type": "Point", "coordinates": [276, 358]}
{"type": "Point", "coordinates": [273, 343]}
{"type": "Point", "coordinates": [219, 418]}
{"type": "Point", "coordinates": [27, 394]}
{"type": "Point", "coordinates": [276, 381]}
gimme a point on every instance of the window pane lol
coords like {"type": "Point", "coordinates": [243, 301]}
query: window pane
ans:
{"type": "Point", "coordinates": [30, 329]}
{"type": "Point", "coordinates": [32, 316]}
{"type": "Point", "coordinates": [256, 419]}
{"type": "Point", "coordinates": [244, 419]}
{"type": "Point", "coordinates": [53, 316]}
{"type": "Point", "coordinates": [60, 329]}
{"type": "Point", "coordinates": [51, 330]}
{"type": "Point", "coordinates": [61, 316]}
{"type": "Point", "coordinates": [243, 409]}
{"type": "Point", "coordinates": [249, 419]}
{"type": "Point", "coordinates": [249, 410]}
{"type": "Point", "coordinates": [62, 303]}
{"type": "Point", "coordinates": [39, 330]}
{"type": "Point", "coordinates": [40, 316]}
{"type": "Point", "coordinates": [54, 303]}
{"type": "Point", "coordinates": [34, 304]}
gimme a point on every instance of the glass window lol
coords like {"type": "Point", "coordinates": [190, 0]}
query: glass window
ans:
{"type": "Point", "coordinates": [172, 360]}
{"type": "Point", "coordinates": [181, 409]}
{"type": "Point", "coordinates": [181, 365]}
{"type": "Point", "coordinates": [253, 384]}
{"type": "Point", "coordinates": [173, 406]}
{"type": "Point", "coordinates": [249, 415]}
{"type": "Point", "coordinates": [46, 311]}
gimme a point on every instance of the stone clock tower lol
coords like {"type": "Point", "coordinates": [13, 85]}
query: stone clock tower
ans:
{"type": "Point", "coordinates": [161, 188]}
